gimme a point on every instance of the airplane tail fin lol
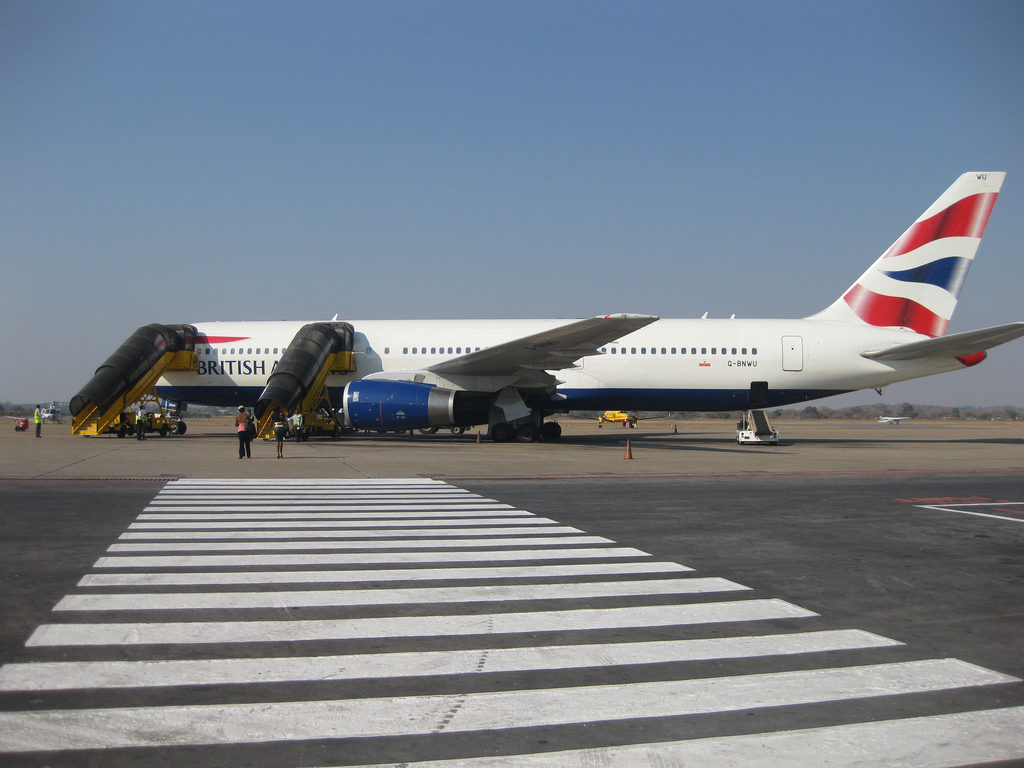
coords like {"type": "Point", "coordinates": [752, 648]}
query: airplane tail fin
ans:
{"type": "Point", "coordinates": [916, 282]}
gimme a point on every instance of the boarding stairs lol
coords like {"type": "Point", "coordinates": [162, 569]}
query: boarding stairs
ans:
{"type": "Point", "coordinates": [298, 383]}
{"type": "Point", "coordinates": [130, 375]}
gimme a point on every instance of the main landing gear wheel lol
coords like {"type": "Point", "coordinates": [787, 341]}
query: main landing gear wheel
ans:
{"type": "Point", "coordinates": [526, 433]}
{"type": "Point", "coordinates": [502, 433]}
{"type": "Point", "coordinates": [551, 430]}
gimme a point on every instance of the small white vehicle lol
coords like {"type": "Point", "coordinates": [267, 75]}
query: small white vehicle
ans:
{"type": "Point", "coordinates": [754, 428]}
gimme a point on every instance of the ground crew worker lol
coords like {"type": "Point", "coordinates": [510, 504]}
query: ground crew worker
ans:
{"type": "Point", "coordinates": [297, 423]}
{"type": "Point", "coordinates": [39, 421]}
{"type": "Point", "coordinates": [140, 423]}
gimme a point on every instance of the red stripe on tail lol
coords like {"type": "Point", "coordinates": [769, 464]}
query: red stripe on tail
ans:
{"type": "Point", "coordinates": [965, 218]}
{"type": "Point", "coordinates": [879, 309]}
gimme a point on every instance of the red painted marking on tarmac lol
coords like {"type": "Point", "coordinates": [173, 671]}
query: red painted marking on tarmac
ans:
{"type": "Point", "coordinates": [947, 500]}
{"type": "Point", "coordinates": [1009, 511]}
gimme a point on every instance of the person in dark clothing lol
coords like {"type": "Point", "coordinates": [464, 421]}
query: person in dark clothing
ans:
{"type": "Point", "coordinates": [280, 432]}
{"type": "Point", "coordinates": [244, 435]}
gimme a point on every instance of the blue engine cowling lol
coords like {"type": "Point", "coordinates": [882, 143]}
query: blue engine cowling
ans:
{"type": "Point", "coordinates": [397, 405]}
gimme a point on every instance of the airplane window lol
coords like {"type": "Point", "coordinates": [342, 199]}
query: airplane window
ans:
{"type": "Point", "coordinates": [734, 350]}
{"type": "Point", "coordinates": [714, 350]}
{"type": "Point", "coordinates": [744, 351]}
{"type": "Point", "coordinates": [673, 350]}
{"type": "Point", "coordinates": [458, 350]}
{"type": "Point", "coordinates": [387, 350]}
{"type": "Point", "coordinates": [248, 351]}
{"type": "Point", "coordinates": [449, 350]}
{"type": "Point", "coordinates": [613, 350]}
{"type": "Point", "coordinates": [663, 351]}
{"type": "Point", "coordinates": [703, 350]}
{"type": "Point", "coordinates": [632, 350]}
{"type": "Point", "coordinates": [753, 350]}
{"type": "Point", "coordinates": [643, 350]}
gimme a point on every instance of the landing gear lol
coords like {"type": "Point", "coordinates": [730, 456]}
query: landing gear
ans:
{"type": "Point", "coordinates": [525, 432]}
{"type": "Point", "coordinates": [502, 432]}
{"type": "Point", "coordinates": [551, 430]}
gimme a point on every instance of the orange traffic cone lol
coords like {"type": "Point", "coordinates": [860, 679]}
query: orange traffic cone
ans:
{"type": "Point", "coordinates": [629, 450]}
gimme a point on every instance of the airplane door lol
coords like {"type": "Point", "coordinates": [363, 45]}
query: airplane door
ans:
{"type": "Point", "coordinates": [792, 353]}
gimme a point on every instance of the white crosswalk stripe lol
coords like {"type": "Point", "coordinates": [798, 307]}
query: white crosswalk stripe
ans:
{"type": "Point", "coordinates": [508, 621]}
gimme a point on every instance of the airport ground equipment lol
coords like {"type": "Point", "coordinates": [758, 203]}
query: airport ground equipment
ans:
{"type": "Point", "coordinates": [754, 428]}
{"type": "Point", "coordinates": [297, 384]}
{"type": "Point", "coordinates": [129, 375]}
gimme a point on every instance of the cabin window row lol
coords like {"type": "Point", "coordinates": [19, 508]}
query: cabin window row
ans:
{"type": "Point", "coordinates": [679, 350]}
{"type": "Point", "coordinates": [433, 350]}
{"type": "Point", "coordinates": [243, 351]}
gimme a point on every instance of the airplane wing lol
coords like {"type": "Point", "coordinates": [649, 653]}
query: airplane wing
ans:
{"type": "Point", "coordinates": [957, 345]}
{"type": "Point", "coordinates": [548, 350]}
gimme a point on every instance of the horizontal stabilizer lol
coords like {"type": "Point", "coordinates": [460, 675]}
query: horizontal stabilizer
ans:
{"type": "Point", "coordinates": [957, 345]}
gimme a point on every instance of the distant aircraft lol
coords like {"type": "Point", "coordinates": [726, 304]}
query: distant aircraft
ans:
{"type": "Point", "coordinates": [892, 419]}
{"type": "Point", "coordinates": [399, 375]}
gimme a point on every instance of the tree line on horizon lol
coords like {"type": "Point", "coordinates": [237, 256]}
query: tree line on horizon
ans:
{"type": "Point", "coordinates": [850, 413]}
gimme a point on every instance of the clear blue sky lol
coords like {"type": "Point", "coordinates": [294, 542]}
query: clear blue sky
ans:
{"type": "Point", "coordinates": [188, 161]}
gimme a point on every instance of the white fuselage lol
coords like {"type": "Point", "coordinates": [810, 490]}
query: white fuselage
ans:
{"type": "Point", "coordinates": [668, 365]}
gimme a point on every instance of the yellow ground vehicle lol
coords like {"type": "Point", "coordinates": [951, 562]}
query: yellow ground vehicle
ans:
{"type": "Point", "coordinates": [617, 417]}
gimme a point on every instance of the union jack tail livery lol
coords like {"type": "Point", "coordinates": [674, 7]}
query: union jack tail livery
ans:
{"type": "Point", "coordinates": [916, 282]}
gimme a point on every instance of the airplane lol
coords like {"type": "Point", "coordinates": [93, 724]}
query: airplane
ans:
{"type": "Point", "coordinates": [891, 419]}
{"type": "Point", "coordinates": [889, 326]}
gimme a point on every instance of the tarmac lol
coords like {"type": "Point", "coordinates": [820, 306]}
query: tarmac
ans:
{"type": "Point", "coordinates": [899, 545]}
{"type": "Point", "coordinates": [661, 448]}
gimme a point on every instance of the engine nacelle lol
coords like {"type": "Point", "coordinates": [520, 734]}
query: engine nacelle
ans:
{"type": "Point", "coordinates": [397, 405]}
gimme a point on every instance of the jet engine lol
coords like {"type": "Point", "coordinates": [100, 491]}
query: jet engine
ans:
{"type": "Point", "coordinates": [402, 405]}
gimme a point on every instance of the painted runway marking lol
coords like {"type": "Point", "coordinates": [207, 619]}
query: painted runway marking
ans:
{"type": "Point", "coordinates": [473, 568]}
{"type": "Point", "coordinates": [965, 738]}
{"type": "Point", "coordinates": [410, 715]}
{"type": "Point", "coordinates": [189, 632]}
{"type": "Point", "coordinates": [392, 574]}
{"type": "Point", "coordinates": [214, 524]}
{"type": "Point", "coordinates": [355, 558]}
{"type": "Point", "coordinates": [343, 533]}
{"type": "Point", "coordinates": [496, 541]}
{"type": "Point", "coordinates": [975, 509]}
{"type": "Point", "coordinates": [406, 515]}
{"type": "Point", "coordinates": [63, 675]}
{"type": "Point", "coordinates": [325, 507]}
{"type": "Point", "coordinates": [159, 601]}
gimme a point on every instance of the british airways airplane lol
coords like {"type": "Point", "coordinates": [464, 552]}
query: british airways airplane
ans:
{"type": "Point", "coordinates": [889, 326]}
